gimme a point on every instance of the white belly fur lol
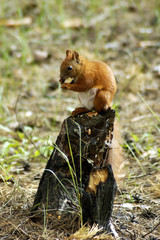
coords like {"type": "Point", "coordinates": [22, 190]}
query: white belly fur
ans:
{"type": "Point", "coordinates": [87, 98]}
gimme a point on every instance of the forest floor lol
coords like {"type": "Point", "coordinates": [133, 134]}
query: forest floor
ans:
{"type": "Point", "coordinates": [34, 38]}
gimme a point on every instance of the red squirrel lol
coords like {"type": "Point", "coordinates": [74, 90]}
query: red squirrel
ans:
{"type": "Point", "coordinates": [94, 81]}
{"type": "Point", "coordinates": [96, 85]}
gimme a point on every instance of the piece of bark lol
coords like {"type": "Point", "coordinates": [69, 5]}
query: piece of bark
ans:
{"type": "Point", "coordinates": [83, 145]}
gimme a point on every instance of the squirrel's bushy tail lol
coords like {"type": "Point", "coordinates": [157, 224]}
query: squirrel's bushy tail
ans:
{"type": "Point", "coordinates": [116, 156]}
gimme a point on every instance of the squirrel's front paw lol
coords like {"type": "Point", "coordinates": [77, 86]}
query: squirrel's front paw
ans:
{"type": "Point", "coordinates": [65, 86]}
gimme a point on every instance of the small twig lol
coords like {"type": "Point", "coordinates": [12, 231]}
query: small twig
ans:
{"type": "Point", "coordinates": [113, 230]}
{"type": "Point", "coordinates": [152, 229]}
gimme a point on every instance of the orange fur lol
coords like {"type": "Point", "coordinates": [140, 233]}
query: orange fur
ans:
{"type": "Point", "coordinates": [88, 75]}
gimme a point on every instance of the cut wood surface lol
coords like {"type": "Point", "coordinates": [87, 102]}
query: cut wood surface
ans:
{"type": "Point", "coordinates": [77, 173]}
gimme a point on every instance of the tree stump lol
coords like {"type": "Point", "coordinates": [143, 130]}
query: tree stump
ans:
{"type": "Point", "coordinates": [77, 177]}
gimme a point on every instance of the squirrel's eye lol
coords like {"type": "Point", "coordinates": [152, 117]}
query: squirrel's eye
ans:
{"type": "Point", "coordinates": [70, 68]}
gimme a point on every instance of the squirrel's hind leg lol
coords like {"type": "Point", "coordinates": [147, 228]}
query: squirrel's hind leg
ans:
{"type": "Point", "coordinates": [102, 101]}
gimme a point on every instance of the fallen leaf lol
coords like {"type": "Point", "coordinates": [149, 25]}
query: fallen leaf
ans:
{"type": "Point", "coordinates": [146, 30]}
{"type": "Point", "coordinates": [73, 23]}
{"type": "Point", "coordinates": [40, 55]}
{"type": "Point", "coordinates": [16, 22]}
{"type": "Point", "coordinates": [156, 69]}
{"type": "Point", "coordinates": [146, 44]}
{"type": "Point", "coordinates": [112, 45]}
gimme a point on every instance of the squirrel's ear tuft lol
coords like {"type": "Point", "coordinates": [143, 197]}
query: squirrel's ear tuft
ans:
{"type": "Point", "coordinates": [76, 56]}
{"type": "Point", "coordinates": [68, 53]}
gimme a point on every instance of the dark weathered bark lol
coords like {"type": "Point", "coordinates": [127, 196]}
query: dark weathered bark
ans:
{"type": "Point", "coordinates": [98, 208]}
{"type": "Point", "coordinates": [82, 140]}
